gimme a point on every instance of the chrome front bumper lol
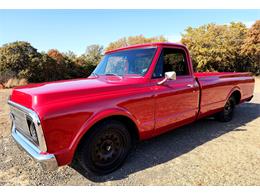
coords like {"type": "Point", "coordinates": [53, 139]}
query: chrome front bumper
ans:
{"type": "Point", "coordinates": [47, 161]}
{"type": "Point", "coordinates": [38, 153]}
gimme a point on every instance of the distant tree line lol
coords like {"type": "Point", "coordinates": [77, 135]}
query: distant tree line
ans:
{"type": "Point", "coordinates": [132, 40]}
{"type": "Point", "coordinates": [213, 48]}
{"type": "Point", "coordinates": [224, 47]}
{"type": "Point", "coordinates": [21, 60]}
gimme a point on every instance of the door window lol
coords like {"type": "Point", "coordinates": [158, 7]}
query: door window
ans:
{"type": "Point", "coordinates": [171, 60]}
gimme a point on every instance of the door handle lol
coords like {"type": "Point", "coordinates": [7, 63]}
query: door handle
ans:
{"type": "Point", "coordinates": [190, 85]}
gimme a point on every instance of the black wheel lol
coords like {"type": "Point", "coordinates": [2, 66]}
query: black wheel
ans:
{"type": "Point", "coordinates": [105, 148]}
{"type": "Point", "coordinates": [227, 113]}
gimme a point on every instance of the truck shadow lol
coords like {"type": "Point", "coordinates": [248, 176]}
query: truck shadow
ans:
{"type": "Point", "coordinates": [177, 142]}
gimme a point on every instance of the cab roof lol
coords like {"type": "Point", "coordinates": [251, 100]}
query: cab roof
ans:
{"type": "Point", "coordinates": [157, 44]}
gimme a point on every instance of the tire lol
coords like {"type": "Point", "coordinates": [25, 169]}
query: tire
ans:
{"type": "Point", "coordinates": [105, 149]}
{"type": "Point", "coordinates": [227, 113]}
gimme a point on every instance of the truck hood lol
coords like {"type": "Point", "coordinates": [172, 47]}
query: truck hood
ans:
{"type": "Point", "coordinates": [35, 95]}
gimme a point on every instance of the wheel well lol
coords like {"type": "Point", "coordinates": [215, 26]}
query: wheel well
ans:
{"type": "Point", "coordinates": [237, 95]}
{"type": "Point", "coordinates": [131, 126]}
{"type": "Point", "coordinates": [127, 121]}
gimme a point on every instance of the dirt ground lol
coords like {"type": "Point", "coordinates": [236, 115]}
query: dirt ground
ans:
{"type": "Point", "coordinates": [203, 153]}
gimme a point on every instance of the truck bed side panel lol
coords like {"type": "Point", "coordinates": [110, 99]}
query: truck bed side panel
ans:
{"type": "Point", "coordinates": [217, 87]}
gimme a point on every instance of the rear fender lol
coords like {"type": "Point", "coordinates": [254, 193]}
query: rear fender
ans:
{"type": "Point", "coordinates": [236, 88]}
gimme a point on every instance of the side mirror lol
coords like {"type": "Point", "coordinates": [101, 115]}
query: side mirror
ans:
{"type": "Point", "coordinates": [168, 76]}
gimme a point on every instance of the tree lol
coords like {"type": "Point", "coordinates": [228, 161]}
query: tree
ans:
{"type": "Point", "coordinates": [122, 42]}
{"type": "Point", "coordinates": [56, 55]}
{"type": "Point", "coordinates": [251, 46]}
{"type": "Point", "coordinates": [59, 69]}
{"type": "Point", "coordinates": [21, 60]}
{"type": "Point", "coordinates": [132, 40]}
{"type": "Point", "coordinates": [66, 68]}
{"type": "Point", "coordinates": [18, 57]}
{"type": "Point", "coordinates": [71, 55]}
{"type": "Point", "coordinates": [87, 62]}
{"type": "Point", "coordinates": [93, 55]}
{"type": "Point", "coordinates": [216, 47]}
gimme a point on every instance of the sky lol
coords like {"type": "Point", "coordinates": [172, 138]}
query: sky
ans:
{"type": "Point", "coordinates": [74, 30]}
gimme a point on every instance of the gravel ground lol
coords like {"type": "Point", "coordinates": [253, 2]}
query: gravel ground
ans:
{"type": "Point", "coordinates": [204, 153]}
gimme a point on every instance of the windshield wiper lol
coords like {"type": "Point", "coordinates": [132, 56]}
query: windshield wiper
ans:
{"type": "Point", "coordinates": [94, 74]}
{"type": "Point", "coordinates": [112, 74]}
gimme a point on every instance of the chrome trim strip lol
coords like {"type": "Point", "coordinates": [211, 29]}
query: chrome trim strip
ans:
{"type": "Point", "coordinates": [36, 121]}
{"type": "Point", "coordinates": [47, 161]}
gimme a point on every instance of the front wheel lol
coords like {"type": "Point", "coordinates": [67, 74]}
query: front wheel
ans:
{"type": "Point", "coordinates": [105, 148]}
{"type": "Point", "coordinates": [227, 113]}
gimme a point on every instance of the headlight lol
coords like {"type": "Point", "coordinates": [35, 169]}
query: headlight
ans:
{"type": "Point", "coordinates": [33, 131]}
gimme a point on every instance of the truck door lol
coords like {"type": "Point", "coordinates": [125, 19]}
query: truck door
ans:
{"type": "Point", "coordinates": [176, 101]}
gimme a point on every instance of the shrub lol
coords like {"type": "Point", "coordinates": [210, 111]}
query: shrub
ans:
{"type": "Point", "coordinates": [6, 75]}
{"type": "Point", "coordinates": [22, 82]}
{"type": "Point", "coordinates": [14, 82]}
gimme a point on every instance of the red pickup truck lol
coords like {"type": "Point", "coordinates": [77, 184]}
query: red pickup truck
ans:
{"type": "Point", "coordinates": [135, 93]}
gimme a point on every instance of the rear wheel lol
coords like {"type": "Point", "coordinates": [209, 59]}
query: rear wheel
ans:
{"type": "Point", "coordinates": [105, 148]}
{"type": "Point", "coordinates": [227, 113]}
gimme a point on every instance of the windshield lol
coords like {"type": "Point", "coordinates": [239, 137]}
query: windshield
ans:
{"type": "Point", "coordinates": [129, 62]}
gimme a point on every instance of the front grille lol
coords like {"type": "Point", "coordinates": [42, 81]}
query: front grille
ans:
{"type": "Point", "coordinates": [23, 118]}
{"type": "Point", "coordinates": [22, 121]}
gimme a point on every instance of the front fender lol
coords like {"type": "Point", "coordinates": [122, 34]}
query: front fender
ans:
{"type": "Point", "coordinates": [98, 117]}
{"type": "Point", "coordinates": [66, 157]}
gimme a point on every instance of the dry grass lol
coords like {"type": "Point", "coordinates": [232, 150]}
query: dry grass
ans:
{"type": "Point", "coordinates": [14, 82]}
{"type": "Point", "coordinates": [4, 113]}
{"type": "Point", "coordinates": [257, 86]}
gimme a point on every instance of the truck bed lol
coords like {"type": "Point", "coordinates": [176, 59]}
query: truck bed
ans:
{"type": "Point", "coordinates": [222, 74]}
{"type": "Point", "coordinates": [216, 87]}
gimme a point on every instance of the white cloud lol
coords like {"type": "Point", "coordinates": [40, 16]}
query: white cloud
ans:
{"type": "Point", "coordinates": [249, 23]}
{"type": "Point", "coordinates": [173, 38]}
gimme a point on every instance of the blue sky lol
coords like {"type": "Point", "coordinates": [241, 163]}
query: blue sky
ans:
{"type": "Point", "coordinates": [76, 29]}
